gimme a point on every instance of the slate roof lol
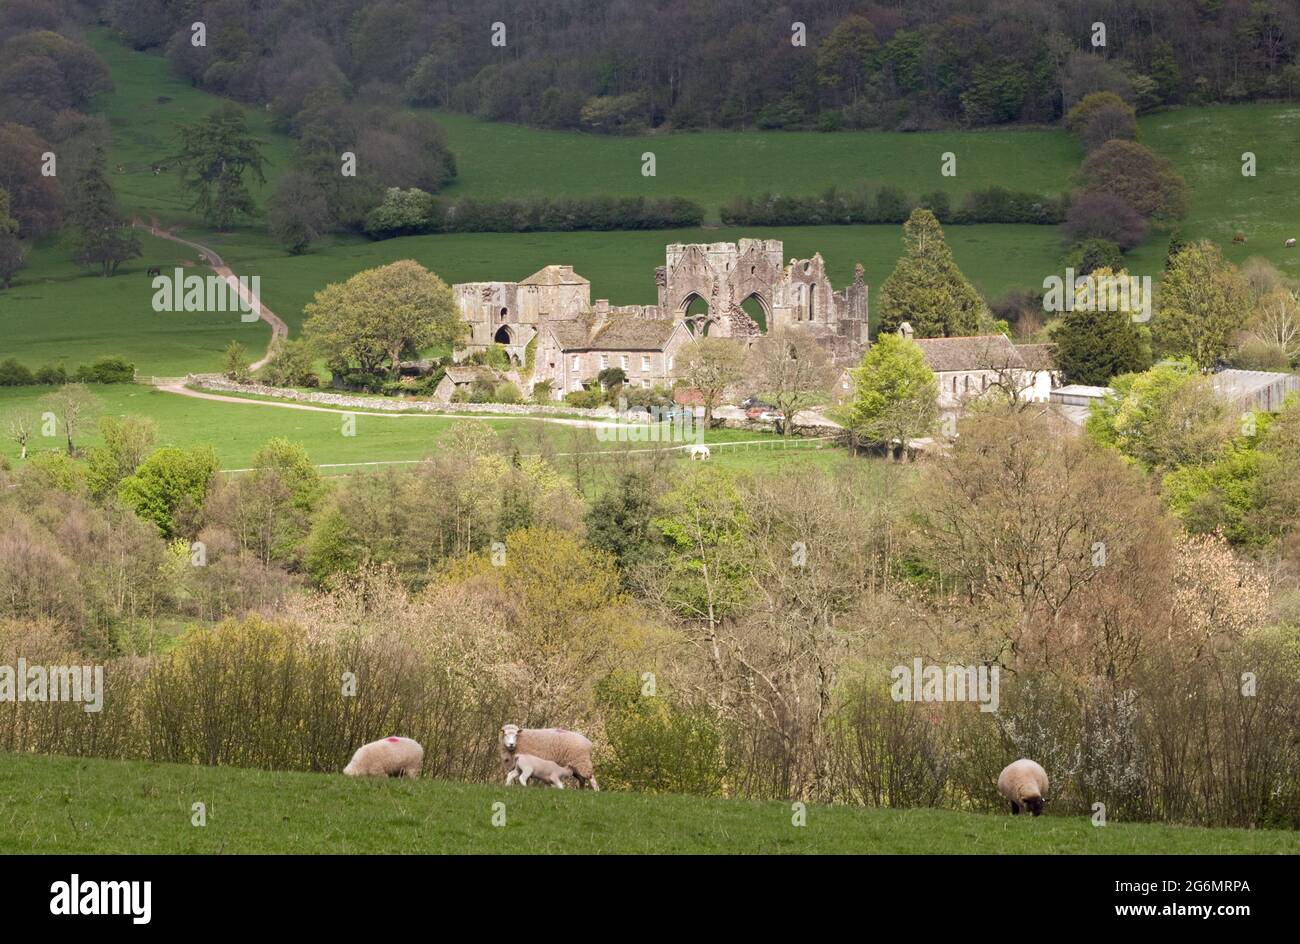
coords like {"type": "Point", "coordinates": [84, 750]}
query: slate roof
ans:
{"type": "Point", "coordinates": [614, 334]}
{"type": "Point", "coordinates": [976, 352]}
{"type": "Point", "coordinates": [555, 275]}
{"type": "Point", "coordinates": [1038, 356]}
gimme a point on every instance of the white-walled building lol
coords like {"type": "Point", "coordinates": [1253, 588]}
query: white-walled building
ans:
{"type": "Point", "coordinates": [968, 367]}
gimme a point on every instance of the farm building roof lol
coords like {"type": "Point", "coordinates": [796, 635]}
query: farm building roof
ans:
{"type": "Point", "coordinates": [975, 352]}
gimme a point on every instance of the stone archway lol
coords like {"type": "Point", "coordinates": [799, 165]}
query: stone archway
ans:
{"type": "Point", "coordinates": [503, 336]}
{"type": "Point", "coordinates": [695, 311]}
{"type": "Point", "coordinates": [756, 307]}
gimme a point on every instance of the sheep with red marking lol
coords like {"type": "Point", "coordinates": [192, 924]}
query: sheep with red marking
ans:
{"type": "Point", "coordinates": [1023, 783]}
{"type": "Point", "coordinates": [566, 748]}
{"type": "Point", "coordinates": [389, 757]}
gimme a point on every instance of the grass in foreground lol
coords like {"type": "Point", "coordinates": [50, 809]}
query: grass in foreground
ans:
{"type": "Point", "coordinates": [238, 430]}
{"type": "Point", "coordinates": [80, 805]}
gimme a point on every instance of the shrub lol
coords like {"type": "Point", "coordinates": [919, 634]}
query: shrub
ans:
{"type": "Point", "coordinates": [292, 365]}
{"type": "Point", "coordinates": [587, 399]}
{"type": "Point", "coordinates": [506, 392]}
{"type": "Point", "coordinates": [1093, 254]}
{"type": "Point", "coordinates": [658, 744]}
{"type": "Point", "coordinates": [53, 375]}
{"type": "Point", "coordinates": [106, 370]}
{"type": "Point", "coordinates": [14, 374]}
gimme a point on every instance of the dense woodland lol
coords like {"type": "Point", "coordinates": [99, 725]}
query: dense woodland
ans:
{"type": "Point", "coordinates": [620, 65]}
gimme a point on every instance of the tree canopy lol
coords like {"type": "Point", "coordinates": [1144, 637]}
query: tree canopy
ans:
{"type": "Point", "coordinates": [927, 289]}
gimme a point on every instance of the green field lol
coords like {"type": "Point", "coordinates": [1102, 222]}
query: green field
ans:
{"type": "Point", "coordinates": [238, 430]}
{"type": "Point", "coordinates": [85, 806]}
{"type": "Point", "coordinates": [497, 161]}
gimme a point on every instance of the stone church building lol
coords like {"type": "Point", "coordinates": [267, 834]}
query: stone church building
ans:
{"type": "Point", "coordinates": [729, 290]}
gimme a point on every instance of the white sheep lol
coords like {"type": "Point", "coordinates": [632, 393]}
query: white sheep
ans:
{"type": "Point", "coordinates": [1290, 243]}
{"type": "Point", "coordinates": [699, 452]}
{"type": "Point", "coordinates": [527, 767]}
{"type": "Point", "coordinates": [390, 757]}
{"type": "Point", "coordinates": [566, 748]}
{"type": "Point", "coordinates": [1023, 783]}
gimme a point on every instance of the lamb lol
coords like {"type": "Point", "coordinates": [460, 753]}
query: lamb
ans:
{"type": "Point", "coordinates": [1023, 783]}
{"type": "Point", "coordinates": [1290, 243]}
{"type": "Point", "coordinates": [527, 766]}
{"type": "Point", "coordinates": [699, 452]}
{"type": "Point", "coordinates": [390, 757]}
{"type": "Point", "coordinates": [565, 748]}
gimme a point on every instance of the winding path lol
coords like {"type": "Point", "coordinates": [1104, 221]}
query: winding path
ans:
{"type": "Point", "coordinates": [278, 328]}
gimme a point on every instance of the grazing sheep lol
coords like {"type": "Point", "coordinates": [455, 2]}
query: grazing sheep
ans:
{"type": "Point", "coordinates": [699, 452]}
{"type": "Point", "coordinates": [391, 757]}
{"type": "Point", "coordinates": [527, 766]}
{"type": "Point", "coordinates": [1290, 243]}
{"type": "Point", "coordinates": [566, 748]}
{"type": "Point", "coordinates": [1023, 783]}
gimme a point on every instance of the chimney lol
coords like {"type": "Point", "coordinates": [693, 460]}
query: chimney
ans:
{"type": "Point", "coordinates": [905, 329]}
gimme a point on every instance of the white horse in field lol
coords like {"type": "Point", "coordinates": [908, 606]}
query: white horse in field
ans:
{"type": "Point", "coordinates": [699, 452]}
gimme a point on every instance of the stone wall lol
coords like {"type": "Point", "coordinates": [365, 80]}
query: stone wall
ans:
{"type": "Point", "coordinates": [219, 384]}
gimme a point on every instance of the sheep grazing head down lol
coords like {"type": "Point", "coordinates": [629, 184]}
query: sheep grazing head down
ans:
{"type": "Point", "coordinates": [510, 737]}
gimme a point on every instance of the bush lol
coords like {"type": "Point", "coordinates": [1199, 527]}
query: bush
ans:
{"type": "Point", "coordinates": [106, 370]}
{"type": "Point", "coordinates": [1260, 355]}
{"type": "Point", "coordinates": [587, 399]}
{"type": "Point", "coordinates": [1093, 254]}
{"type": "Point", "coordinates": [52, 375]}
{"type": "Point", "coordinates": [407, 212]}
{"type": "Point", "coordinates": [543, 391]}
{"type": "Point", "coordinates": [14, 374]}
{"type": "Point", "coordinates": [506, 392]}
{"type": "Point", "coordinates": [658, 744]}
{"type": "Point", "coordinates": [292, 365]}
{"type": "Point", "coordinates": [890, 204]}
{"type": "Point", "coordinates": [110, 369]}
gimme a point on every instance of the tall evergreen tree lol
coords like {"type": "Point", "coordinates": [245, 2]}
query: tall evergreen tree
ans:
{"type": "Point", "coordinates": [104, 236]}
{"type": "Point", "coordinates": [927, 289]}
{"type": "Point", "coordinates": [1092, 346]}
{"type": "Point", "coordinates": [216, 152]}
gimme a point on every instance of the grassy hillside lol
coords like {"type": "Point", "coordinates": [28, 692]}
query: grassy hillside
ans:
{"type": "Point", "coordinates": [1206, 144]}
{"type": "Point", "coordinates": [146, 107]}
{"type": "Point", "coordinates": [74, 805]}
{"type": "Point", "coordinates": [500, 160]}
